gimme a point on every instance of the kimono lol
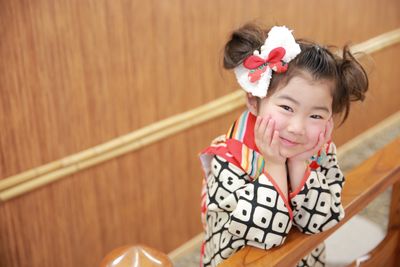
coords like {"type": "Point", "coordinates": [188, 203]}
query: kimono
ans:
{"type": "Point", "coordinates": [242, 204]}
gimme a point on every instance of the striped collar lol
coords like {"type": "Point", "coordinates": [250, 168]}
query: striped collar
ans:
{"type": "Point", "coordinates": [241, 145]}
{"type": "Point", "coordinates": [242, 130]}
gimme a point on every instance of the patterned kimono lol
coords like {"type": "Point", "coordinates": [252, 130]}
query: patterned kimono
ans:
{"type": "Point", "coordinates": [242, 204]}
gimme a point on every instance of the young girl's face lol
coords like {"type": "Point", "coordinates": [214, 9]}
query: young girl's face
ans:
{"type": "Point", "coordinates": [301, 110]}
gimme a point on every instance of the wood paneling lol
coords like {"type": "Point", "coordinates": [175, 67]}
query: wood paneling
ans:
{"type": "Point", "coordinates": [74, 74]}
{"type": "Point", "coordinates": [78, 73]}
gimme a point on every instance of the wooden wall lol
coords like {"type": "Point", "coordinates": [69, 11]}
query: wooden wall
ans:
{"type": "Point", "coordinates": [75, 74]}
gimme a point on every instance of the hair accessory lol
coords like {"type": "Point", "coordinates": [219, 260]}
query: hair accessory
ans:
{"type": "Point", "coordinates": [317, 160]}
{"type": "Point", "coordinates": [280, 47]}
{"type": "Point", "coordinates": [320, 158]}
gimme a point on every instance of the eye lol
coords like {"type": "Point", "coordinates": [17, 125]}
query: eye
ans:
{"type": "Point", "coordinates": [287, 108]}
{"type": "Point", "coordinates": [316, 117]}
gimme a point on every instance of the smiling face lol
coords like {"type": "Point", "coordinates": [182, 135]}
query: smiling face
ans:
{"type": "Point", "coordinates": [301, 110]}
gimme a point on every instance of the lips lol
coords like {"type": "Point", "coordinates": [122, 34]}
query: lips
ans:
{"type": "Point", "coordinates": [288, 142]}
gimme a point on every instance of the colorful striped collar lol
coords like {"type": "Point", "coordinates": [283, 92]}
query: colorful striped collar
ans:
{"type": "Point", "coordinates": [241, 145]}
{"type": "Point", "coordinates": [242, 130]}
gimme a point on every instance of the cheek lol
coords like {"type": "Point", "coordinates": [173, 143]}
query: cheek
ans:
{"type": "Point", "coordinates": [279, 118]}
{"type": "Point", "coordinates": [280, 121]}
{"type": "Point", "coordinates": [313, 133]}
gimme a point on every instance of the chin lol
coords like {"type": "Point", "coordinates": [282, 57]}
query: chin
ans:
{"type": "Point", "coordinates": [288, 153]}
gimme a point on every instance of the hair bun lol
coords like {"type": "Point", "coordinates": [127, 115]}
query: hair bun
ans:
{"type": "Point", "coordinates": [242, 44]}
{"type": "Point", "coordinates": [353, 78]}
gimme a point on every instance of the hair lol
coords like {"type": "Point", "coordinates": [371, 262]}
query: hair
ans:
{"type": "Point", "coordinates": [349, 79]}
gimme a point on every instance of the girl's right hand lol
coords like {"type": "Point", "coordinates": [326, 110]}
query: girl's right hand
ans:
{"type": "Point", "coordinates": [267, 140]}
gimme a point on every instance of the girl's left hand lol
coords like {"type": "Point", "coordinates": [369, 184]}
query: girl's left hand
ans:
{"type": "Point", "coordinates": [322, 139]}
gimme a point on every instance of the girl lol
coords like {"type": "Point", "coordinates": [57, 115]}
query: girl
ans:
{"type": "Point", "coordinates": [276, 167]}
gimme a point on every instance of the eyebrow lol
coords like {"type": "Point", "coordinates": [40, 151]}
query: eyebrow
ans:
{"type": "Point", "coordinates": [322, 108]}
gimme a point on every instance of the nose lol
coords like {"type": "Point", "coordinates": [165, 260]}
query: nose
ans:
{"type": "Point", "coordinates": [296, 126]}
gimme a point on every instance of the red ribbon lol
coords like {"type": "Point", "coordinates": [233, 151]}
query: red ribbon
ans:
{"type": "Point", "coordinates": [273, 61]}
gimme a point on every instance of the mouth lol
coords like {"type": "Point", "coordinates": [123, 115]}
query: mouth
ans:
{"type": "Point", "coordinates": [288, 142]}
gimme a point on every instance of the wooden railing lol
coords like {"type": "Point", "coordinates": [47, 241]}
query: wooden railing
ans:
{"type": "Point", "coordinates": [363, 184]}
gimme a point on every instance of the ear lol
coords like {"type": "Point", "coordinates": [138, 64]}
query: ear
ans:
{"type": "Point", "coordinates": [252, 103]}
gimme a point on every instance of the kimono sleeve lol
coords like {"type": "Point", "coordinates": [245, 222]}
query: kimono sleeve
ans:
{"type": "Point", "coordinates": [317, 205]}
{"type": "Point", "coordinates": [257, 212]}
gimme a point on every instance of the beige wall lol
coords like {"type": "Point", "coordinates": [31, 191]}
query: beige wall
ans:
{"type": "Point", "coordinates": [75, 74]}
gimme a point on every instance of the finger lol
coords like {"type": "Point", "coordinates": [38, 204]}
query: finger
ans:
{"type": "Point", "coordinates": [328, 130]}
{"type": "Point", "coordinates": [261, 128]}
{"type": "Point", "coordinates": [318, 143]}
{"type": "Point", "coordinates": [260, 132]}
{"type": "Point", "coordinates": [321, 141]}
{"type": "Point", "coordinates": [258, 122]}
{"type": "Point", "coordinates": [275, 140]}
{"type": "Point", "coordinates": [269, 131]}
{"type": "Point", "coordinates": [257, 134]}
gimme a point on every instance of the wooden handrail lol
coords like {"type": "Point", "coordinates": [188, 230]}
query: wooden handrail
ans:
{"type": "Point", "coordinates": [363, 184]}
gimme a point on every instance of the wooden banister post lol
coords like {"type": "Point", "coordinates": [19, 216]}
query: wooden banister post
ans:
{"type": "Point", "coordinates": [394, 218]}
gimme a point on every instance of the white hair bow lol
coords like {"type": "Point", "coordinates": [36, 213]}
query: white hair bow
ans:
{"type": "Point", "coordinates": [254, 74]}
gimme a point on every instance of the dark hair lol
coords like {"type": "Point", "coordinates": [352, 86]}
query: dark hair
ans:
{"type": "Point", "coordinates": [349, 79]}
